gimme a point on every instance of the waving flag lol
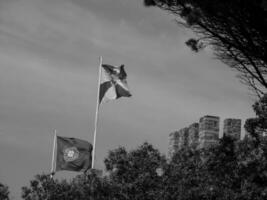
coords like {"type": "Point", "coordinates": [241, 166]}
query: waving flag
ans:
{"type": "Point", "coordinates": [113, 84]}
{"type": "Point", "coordinates": [73, 154]}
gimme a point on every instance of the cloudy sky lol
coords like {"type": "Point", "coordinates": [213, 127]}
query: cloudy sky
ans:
{"type": "Point", "coordinates": [49, 54]}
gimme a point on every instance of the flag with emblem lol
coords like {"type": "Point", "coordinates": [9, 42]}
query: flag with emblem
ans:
{"type": "Point", "coordinates": [73, 154]}
{"type": "Point", "coordinates": [113, 84]}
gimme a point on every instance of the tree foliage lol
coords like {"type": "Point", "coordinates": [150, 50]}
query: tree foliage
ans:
{"type": "Point", "coordinates": [132, 175]}
{"type": "Point", "coordinates": [83, 187]}
{"type": "Point", "coordinates": [135, 173]}
{"type": "Point", "coordinates": [257, 127]}
{"type": "Point", "coordinates": [229, 171]}
{"type": "Point", "coordinates": [235, 29]}
{"type": "Point", "coordinates": [4, 192]}
{"type": "Point", "coordinates": [232, 170]}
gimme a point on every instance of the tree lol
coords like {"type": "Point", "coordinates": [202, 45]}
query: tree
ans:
{"type": "Point", "coordinates": [235, 29]}
{"type": "Point", "coordinates": [231, 170]}
{"type": "Point", "coordinates": [44, 187]}
{"type": "Point", "coordinates": [135, 174]}
{"type": "Point", "coordinates": [4, 192]}
{"type": "Point", "coordinates": [83, 187]}
{"type": "Point", "coordinates": [252, 169]}
{"type": "Point", "coordinates": [185, 177]}
{"type": "Point", "coordinates": [132, 175]}
{"type": "Point", "coordinates": [257, 127]}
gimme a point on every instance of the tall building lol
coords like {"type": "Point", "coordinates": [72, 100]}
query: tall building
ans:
{"type": "Point", "coordinates": [183, 140]}
{"type": "Point", "coordinates": [232, 128]}
{"type": "Point", "coordinates": [193, 136]}
{"type": "Point", "coordinates": [208, 131]}
{"type": "Point", "coordinates": [173, 143]}
{"type": "Point", "coordinates": [203, 134]}
{"type": "Point", "coordinates": [177, 141]}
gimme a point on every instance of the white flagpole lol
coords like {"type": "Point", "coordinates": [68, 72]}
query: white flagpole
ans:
{"type": "Point", "coordinates": [53, 154]}
{"type": "Point", "coordinates": [96, 112]}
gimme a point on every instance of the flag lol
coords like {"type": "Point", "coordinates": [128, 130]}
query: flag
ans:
{"type": "Point", "coordinates": [113, 84]}
{"type": "Point", "coordinates": [73, 154]}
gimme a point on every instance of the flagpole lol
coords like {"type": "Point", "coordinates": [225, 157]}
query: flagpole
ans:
{"type": "Point", "coordinates": [53, 154]}
{"type": "Point", "coordinates": [96, 112]}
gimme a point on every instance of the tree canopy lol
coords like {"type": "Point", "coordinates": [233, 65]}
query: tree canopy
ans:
{"type": "Point", "coordinates": [131, 175]}
{"type": "Point", "coordinates": [83, 187]}
{"type": "Point", "coordinates": [235, 29]}
{"type": "Point", "coordinates": [257, 126]}
{"type": "Point", "coordinates": [135, 173]}
{"type": "Point", "coordinates": [232, 170]}
{"type": "Point", "coordinates": [4, 192]}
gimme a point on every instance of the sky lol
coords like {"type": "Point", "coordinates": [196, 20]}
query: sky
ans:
{"type": "Point", "coordinates": [49, 58]}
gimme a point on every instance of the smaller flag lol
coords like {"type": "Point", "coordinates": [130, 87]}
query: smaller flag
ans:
{"type": "Point", "coordinates": [73, 154]}
{"type": "Point", "coordinates": [113, 84]}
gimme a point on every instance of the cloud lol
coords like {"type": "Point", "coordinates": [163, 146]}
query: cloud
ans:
{"type": "Point", "coordinates": [49, 53]}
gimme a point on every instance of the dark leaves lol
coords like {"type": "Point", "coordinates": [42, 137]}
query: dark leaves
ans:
{"type": "Point", "coordinates": [4, 192]}
{"type": "Point", "coordinates": [236, 30]}
{"type": "Point", "coordinates": [149, 3]}
{"type": "Point", "coordinates": [194, 44]}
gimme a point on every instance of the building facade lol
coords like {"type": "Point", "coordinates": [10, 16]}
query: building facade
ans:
{"type": "Point", "coordinates": [232, 128]}
{"type": "Point", "coordinates": [209, 127]}
{"type": "Point", "coordinates": [203, 134]}
{"type": "Point", "coordinates": [183, 138]}
{"type": "Point", "coordinates": [173, 143]}
{"type": "Point", "coordinates": [193, 137]}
